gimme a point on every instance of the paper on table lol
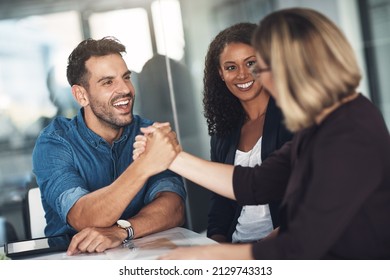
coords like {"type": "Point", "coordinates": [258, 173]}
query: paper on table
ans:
{"type": "Point", "coordinates": [148, 247]}
{"type": "Point", "coordinates": [152, 246]}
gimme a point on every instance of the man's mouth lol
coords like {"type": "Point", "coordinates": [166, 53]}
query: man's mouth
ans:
{"type": "Point", "coordinates": [121, 103]}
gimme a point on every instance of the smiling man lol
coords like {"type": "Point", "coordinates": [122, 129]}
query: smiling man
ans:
{"type": "Point", "coordinates": [90, 186]}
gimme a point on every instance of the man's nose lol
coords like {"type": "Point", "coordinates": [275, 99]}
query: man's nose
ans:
{"type": "Point", "coordinates": [125, 86]}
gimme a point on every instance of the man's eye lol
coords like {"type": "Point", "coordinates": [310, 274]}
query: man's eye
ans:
{"type": "Point", "coordinates": [109, 82]}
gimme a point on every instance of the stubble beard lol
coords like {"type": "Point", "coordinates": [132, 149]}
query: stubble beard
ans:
{"type": "Point", "coordinates": [107, 117]}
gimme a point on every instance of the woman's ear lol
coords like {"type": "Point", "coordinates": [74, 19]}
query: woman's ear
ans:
{"type": "Point", "coordinates": [221, 74]}
{"type": "Point", "coordinates": [80, 95]}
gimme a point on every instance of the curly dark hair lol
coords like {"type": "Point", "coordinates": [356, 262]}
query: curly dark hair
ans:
{"type": "Point", "coordinates": [222, 110]}
{"type": "Point", "coordinates": [76, 71]}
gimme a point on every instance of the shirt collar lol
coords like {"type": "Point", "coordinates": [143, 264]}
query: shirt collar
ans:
{"type": "Point", "coordinates": [91, 137]}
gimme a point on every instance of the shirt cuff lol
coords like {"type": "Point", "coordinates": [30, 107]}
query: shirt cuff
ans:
{"type": "Point", "coordinates": [66, 201]}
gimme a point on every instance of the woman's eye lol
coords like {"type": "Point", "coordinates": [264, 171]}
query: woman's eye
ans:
{"type": "Point", "coordinates": [251, 63]}
{"type": "Point", "coordinates": [230, 68]}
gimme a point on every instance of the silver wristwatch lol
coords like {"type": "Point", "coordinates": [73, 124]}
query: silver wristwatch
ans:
{"type": "Point", "coordinates": [126, 225]}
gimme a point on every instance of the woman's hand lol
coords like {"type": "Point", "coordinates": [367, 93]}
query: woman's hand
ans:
{"type": "Point", "coordinates": [210, 252]}
{"type": "Point", "coordinates": [140, 140]}
{"type": "Point", "coordinates": [157, 148]}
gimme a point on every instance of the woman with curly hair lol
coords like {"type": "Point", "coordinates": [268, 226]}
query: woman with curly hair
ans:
{"type": "Point", "coordinates": [245, 127]}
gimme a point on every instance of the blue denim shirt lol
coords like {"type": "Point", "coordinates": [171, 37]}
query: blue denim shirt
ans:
{"type": "Point", "coordinates": [70, 161]}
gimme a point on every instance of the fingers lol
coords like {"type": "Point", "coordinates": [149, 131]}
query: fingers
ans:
{"type": "Point", "coordinates": [84, 241]}
{"type": "Point", "coordinates": [154, 126]}
{"type": "Point", "coordinates": [158, 125]}
{"type": "Point", "coordinates": [87, 240]}
{"type": "Point", "coordinates": [138, 152]}
{"type": "Point", "coordinates": [92, 240]}
{"type": "Point", "coordinates": [157, 135]}
{"type": "Point", "coordinates": [140, 142]}
{"type": "Point", "coordinates": [140, 138]}
{"type": "Point", "coordinates": [139, 146]}
{"type": "Point", "coordinates": [173, 136]}
{"type": "Point", "coordinates": [77, 239]}
{"type": "Point", "coordinates": [148, 130]}
{"type": "Point", "coordinates": [156, 132]}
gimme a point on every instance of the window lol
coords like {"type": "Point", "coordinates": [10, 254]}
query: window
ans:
{"type": "Point", "coordinates": [375, 17]}
{"type": "Point", "coordinates": [168, 28]}
{"type": "Point", "coordinates": [131, 28]}
{"type": "Point", "coordinates": [32, 55]}
{"type": "Point", "coordinates": [33, 89]}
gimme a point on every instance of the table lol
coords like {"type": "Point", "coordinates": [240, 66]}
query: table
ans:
{"type": "Point", "coordinates": [148, 247]}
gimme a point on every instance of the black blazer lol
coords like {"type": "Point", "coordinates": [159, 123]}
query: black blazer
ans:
{"type": "Point", "coordinates": [335, 181]}
{"type": "Point", "coordinates": [224, 212]}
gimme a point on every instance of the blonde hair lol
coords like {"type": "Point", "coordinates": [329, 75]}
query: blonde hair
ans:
{"type": "Point", "coordinates": [312, 63]}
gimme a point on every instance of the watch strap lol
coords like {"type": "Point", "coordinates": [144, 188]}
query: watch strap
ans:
{"type": "Point", "coordinates": [126, 225]}
{"type": "Point", "coordinates": [130, 234]}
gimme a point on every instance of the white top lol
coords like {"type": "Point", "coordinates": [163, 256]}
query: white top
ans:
{"type": "Point", "coordinates": [255, 221]}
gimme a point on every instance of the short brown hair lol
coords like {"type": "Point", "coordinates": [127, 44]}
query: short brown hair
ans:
{"type": "Point", "coordinates": [76, 71]}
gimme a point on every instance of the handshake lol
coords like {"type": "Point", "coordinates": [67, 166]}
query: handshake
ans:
{"type": "Point", "coordinates": [157, 147]}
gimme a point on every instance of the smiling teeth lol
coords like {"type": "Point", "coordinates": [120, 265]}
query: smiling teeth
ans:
{"type": "Point", "coordinates": [121, 103]}
{"type": "Point", "coordinates": [246, 85]}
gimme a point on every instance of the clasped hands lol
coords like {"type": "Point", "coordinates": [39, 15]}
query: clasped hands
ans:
{"type": "Point", "coordinates": [158, 146]}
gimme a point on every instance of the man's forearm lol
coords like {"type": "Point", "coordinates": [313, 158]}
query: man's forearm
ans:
{"type": "Point", "coordinates": [164, 212]}
{"type": "Point", "coordinates": [103, 207]}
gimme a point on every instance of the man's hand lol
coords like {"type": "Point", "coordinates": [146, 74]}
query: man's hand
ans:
{"type": "Point", "coordinates": [94, 239]}
{"type": "Point", "coordinates": [139, 146]}
{"type": "Point", "coordinates": [157, 148]}
{"type": "Point", "coordinates": [140, 140]}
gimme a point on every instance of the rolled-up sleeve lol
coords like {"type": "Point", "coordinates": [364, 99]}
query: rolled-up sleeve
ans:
{"type": "Point", "coordinates": [166, 181]}
{"type": "Point", "coordinates": [60, 183]}
{"type": "Point", "coordinates": [66, 201]}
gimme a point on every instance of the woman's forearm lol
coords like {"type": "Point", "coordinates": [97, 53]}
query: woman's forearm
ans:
{"type": "Point", "coordinates": [216, 177]}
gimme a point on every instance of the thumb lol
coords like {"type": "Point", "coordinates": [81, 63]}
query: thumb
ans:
{"type": "Point", "coordinates": [148, 130]}
{"type": "Point", "coordinates": [159, 125]}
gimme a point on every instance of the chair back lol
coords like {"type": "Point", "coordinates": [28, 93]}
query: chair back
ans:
{"type": "Point", "coordinates": [36, 214]}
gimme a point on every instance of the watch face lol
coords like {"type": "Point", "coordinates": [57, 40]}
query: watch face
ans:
{"type": "Point", "coordinates": [123, 223]}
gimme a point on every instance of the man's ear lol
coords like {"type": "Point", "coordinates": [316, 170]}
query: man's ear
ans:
{"type": "Point", "coordinates": [80, 95]}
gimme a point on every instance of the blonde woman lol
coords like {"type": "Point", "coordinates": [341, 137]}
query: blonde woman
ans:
{"type": "Point", "coordinates": [334, 176]}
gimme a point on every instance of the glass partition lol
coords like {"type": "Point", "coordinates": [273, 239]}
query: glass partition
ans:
{"type": "Point", "coordinates": [375, 23]}
{"type": "Point", "coordinates": [33, 89]}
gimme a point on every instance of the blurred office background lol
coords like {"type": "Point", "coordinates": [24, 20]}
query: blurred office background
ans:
{"type": "Point", "coordinates": [166, 44]}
